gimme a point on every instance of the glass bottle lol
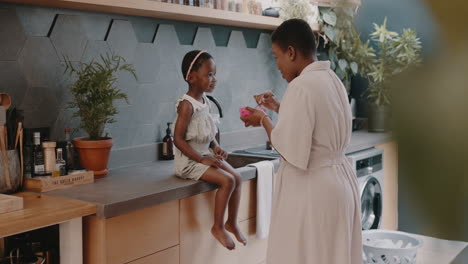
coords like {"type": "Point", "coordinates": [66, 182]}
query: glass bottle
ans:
{"type": "Point", "coordinates": [38, 157]}
{"type": "Point", "coordinates": [167, 145]}
{"type": "Point", "coordinates": [60, 164]}
{"type": "Point", "coordinates": [69, 152]}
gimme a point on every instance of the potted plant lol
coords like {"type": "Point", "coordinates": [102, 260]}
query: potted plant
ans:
{"type": "Point", "coordinates": [394, 54]}
{"type": "Point", "coordinates": [348, 55]}
{"type": "Point", "coordinates": [93, 95]}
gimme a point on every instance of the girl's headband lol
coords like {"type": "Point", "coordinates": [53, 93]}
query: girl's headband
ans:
{"type": "Point", "coordinates": [191, 64]}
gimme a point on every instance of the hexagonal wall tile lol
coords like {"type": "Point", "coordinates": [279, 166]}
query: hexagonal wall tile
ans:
{"type": "Point", "coordinates": [39, 61]}
{"type": "Point", "coordinates": [144, 28]}
{"type": "Point", "coordinates": [143, 134]}
{"type": "Point", "coordinates": [40, 107]}
{"type": "Point", "coordinates": [146, 62]}
{"type": "Point", "coordinates": [185, 32]}
{"type": "Point", "coordinates": [251, 37]}
{"type": "Point", "coordinates": [122, 39]}
{"type": "Point", "coordinates": [11, 34]}
{"type": "Point", "coordinates": [36, 21]}
{"type": "Point", "coordinates": [95, 25]}
{"type": "Point", "coordinates": [264, 42]}
{"type": "Point", "coordinates": [69, 37]}
{"type": "Point", "coordinates": [65, 120]}
{"type": "Point", "coordinates": [204, 39]}
{"type": "Point", "coordinates": [166, 42]}
{"type": "Point", "coordinates": [13, 81]}
{"type": "Point", "coordinates": [61, 86]}
{"type": "Point", "coordinates": [236, 40]}
{"type": "Point", "coordinates": [166, 35]}
{"type": "Point", "coordinates": [94, 49]}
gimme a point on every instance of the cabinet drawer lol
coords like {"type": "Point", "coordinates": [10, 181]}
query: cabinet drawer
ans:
{"type": "Point", "coordinates": [198, 246]}
{"type": "Point", "coordinates": [142, 233]}
{"type": "Point", "coordinates": [168, 256]}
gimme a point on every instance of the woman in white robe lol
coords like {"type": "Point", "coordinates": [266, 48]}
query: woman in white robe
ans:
{"type": "Point", "coordinates": [316, 206]}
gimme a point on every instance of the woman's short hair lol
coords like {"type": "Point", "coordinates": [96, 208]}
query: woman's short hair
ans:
{"type": "Point", "coordinates": [296, 33]}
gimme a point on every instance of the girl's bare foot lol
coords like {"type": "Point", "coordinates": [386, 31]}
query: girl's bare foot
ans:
{"type": "Point", "coordinates": [223, 237]}
{"type": "Point", "coordinates": [234, 228]}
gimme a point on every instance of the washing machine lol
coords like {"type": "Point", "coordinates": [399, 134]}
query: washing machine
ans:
{"type": "Point", "coordinates": [368, 165]}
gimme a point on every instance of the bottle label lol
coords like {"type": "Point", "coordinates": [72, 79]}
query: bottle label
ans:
{"type": "Point", "coordinates": [62, 170]}
{"type": "Point", "coordinates": [39, 169]}
{"type": "Point", "coordinates": [164, 149]}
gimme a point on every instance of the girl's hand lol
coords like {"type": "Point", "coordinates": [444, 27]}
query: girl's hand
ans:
{"type": "Point", "coordinates": [254, 118]}
{"type": "Point", "coordinates": [219, 152]}
{"type": "Point", "coordinates": [210, 161]}
{"type": "Point", "coordinates": [268, 100]}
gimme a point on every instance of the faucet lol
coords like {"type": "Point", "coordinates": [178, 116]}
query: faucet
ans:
{"type": "Point", "coordinates": [220, 111]}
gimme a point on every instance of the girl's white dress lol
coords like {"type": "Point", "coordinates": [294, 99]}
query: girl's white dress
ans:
{"type": "Point", "coordinates": [200, 132]}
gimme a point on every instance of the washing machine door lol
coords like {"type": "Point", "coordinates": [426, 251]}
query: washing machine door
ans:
{"type": "Point", "coordinates": [371, 203]}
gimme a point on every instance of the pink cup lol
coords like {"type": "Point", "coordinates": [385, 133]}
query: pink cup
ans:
{"type": "Point", "coordinates": [244, 112]}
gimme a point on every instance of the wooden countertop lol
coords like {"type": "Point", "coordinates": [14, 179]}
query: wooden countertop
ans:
{"type": "Point", "coordinates": [41, 211]}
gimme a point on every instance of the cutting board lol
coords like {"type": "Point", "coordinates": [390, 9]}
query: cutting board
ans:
{"type": "Point", "coordinates": [9, 203]}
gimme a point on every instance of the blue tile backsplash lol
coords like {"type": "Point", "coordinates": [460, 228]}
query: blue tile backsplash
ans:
{"type": "Point", "coordinates": [33, 41]}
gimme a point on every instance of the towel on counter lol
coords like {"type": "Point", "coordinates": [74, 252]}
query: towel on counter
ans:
{"type": "Point", "coordinates": [265, 170]}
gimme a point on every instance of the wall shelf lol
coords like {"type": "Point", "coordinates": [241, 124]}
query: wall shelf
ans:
{"type": "Point", "coordinates": [151, 8]}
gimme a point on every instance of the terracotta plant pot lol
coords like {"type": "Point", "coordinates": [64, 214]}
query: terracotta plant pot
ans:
{"type": "Point", "coordinates": [94, 154]}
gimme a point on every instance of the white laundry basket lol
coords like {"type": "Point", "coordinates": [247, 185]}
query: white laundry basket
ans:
{"type": "Point", "coordinates": [389, 247]}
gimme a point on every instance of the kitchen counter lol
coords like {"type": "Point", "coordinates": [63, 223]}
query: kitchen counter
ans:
{"type": "Point", "coordinates": [132, 188]}
{"type": "Point", "coordinates": [41, 211]}
{"type": "Point", "coordinates": [440, 251]}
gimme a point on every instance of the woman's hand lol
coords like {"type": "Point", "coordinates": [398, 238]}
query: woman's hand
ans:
{"type": "Point", "coordinates": [219, 152]}
{"type": "Point", "coordinates": [254, 118]}
{"type": "Point", "coordinates": [268, 100]}
{"type": "Point", "coordinates": [211, 161]}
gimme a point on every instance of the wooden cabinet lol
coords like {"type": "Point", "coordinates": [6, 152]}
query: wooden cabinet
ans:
{"type": "Point", "coordinates": [198, 246]}
{"type": "Point", "coordinates": [178, 232]}
{"type": "Point", "coordinates": [390, 192]}
{"type": "Point", "coordinates": [168, 256]}
{"type": "Point", "coordinates": [129, 237]}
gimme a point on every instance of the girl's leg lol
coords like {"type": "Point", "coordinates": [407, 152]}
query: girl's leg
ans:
{"type": "Point", "coordinates": [234, 201]}
{"type": "Point", "coordinates": [226, 186]}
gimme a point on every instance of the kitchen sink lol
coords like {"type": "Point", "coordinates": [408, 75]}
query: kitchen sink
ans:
{"type": "Point", "coordinates": [238, 160]}
{"type": "Point", "coordinates": [259, 152]}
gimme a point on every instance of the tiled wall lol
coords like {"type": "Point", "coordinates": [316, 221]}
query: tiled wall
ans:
{"type": "Point", "coordinates": [33, 41]}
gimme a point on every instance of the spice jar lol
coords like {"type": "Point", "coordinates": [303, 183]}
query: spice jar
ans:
{"type": "Point", "coordinates": [224, 5]}
{"type": "Point", "coordinates": [232, 5]}
{"type": "Point", "coordinates": [206, 3]}
{"type": "Point", "coordinates": [49, 156]}
{"type": "Point", "coordinates": [259, 7]}
{"type": "Point", "coordinates": [239, 6]}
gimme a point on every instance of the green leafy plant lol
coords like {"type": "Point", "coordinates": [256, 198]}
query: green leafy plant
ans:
{"type": "Point", "coordinates": [348, 55]}
{"type": "Point", "coordinates": [395, 53]}
{"type": "Point", "coordinates": [94, 92]}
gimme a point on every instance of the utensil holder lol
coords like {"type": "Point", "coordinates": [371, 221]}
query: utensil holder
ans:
{"type": "Point", "coordinates": [14, 167]}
